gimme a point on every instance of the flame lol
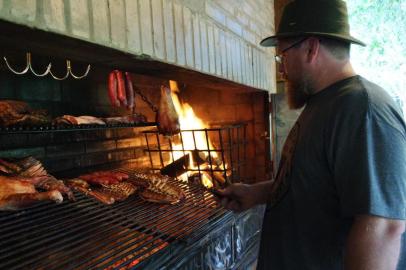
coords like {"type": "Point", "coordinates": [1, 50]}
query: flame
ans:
{"type": "Point", "coordinates": [188, 121]}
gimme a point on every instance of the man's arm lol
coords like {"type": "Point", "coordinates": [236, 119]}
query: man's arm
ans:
{"type": "Point", "coordinates": [374, 243]}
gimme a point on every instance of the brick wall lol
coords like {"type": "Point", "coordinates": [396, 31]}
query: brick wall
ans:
{"type": "Point", "coordinates": [70, 150]}
{"type": "Point", "coordinates": [217, 37]}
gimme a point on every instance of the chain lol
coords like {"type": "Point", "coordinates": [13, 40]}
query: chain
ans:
{"type": "Point", "coordinates": [145, 99]}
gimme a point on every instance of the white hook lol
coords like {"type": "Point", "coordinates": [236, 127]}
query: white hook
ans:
{"type": "Point", "coordinates": [32, 70]}
{"type": "Point", "coordinates": [28, 56]}
{"type": "Point", "coordinates": [78, 77]}
{"type": "Point", "coordinates": [66, 75]}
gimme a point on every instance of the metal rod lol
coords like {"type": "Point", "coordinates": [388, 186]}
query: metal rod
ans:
{"type": "Point", "coordinates": [171, 149]}
{"type": "Point", "coordinates": [149, 150]}
{"type": "Point", "coordinates": [223, 156]}
{"type": "Point", "coordinates": [208, 151]}
{"type": "Point", "coordinates": [160, 152]}
{"type": "Point", "coordinates": [198, 165]}
{"type": "Point", "coordinates": [231, 154]}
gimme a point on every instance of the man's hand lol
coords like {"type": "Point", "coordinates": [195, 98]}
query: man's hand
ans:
{"type": "Point", "coordinates": [240, 197]}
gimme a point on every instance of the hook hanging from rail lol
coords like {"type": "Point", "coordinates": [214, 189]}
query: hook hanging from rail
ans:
{"type": "Point", "coordinates": [66, 75]}
{"type": "Point", "coordinates": [28, 67]}
{"type": "Point", "coordinates": [78, 77]}
{"type": "Point", "coordinates": [48, 69]}
{"type": "Point", "coordinates": [69, 71]}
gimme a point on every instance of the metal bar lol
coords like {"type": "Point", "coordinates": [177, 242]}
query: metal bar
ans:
{"type": "Point", "coordinates": [231, 154]}
{"type": "Point", "coordinates": [223, 156]}
{"type": "Point", "coordinates": [65, 128]}
{"type": "Point", "coordinates": [198, 165]}
{"type": "Point", "coordinates": [208, 151]}
{"type": "Point", "coordinates": [149, 150]}
{"type": "Point", "coordinates": [238, 155]}
{"type": "Point", "coordinates": [160, 152]}
{"type": "Point", "coordinates": [46, 240]}
{"type": "Point", "coordinates": [171, 149]}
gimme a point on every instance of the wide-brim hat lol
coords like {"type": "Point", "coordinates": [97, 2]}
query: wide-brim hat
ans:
{"type": "Point", "coordinates": [327, 18]}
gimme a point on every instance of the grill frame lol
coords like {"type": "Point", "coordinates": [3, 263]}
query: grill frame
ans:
{"type": "Point", "coordinates": [61, 236]}
{"type": "Point", "coordinates": [231, 146]}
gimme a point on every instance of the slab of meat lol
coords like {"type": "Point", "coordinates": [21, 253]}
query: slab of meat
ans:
{"type": "Point", "coordinates": [78, 120]}
{"type": "Point", "coordinates": [78, 185]}
{"type": "Point", "coordinates": [119, 191]}
{"type": "Point", "coordinates": [17, 193]}
{"type": "Point", "coordinates": [31, 170]}
{"type": "Point", "coordinates": [135, 118]}
{"type": "Point", "coordinates": [13, 112]}
{"type": "Point", "coordinates": [167, 118]}
{"type": "Point", "coordinates": [104, 177]}
{"type": "Point", "coordinates": [158, 188]}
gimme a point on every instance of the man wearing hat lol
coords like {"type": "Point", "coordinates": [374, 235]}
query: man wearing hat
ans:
{"type": "Point", "coordinates": [339, 198]}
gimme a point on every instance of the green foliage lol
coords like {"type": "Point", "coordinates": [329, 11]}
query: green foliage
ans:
{"type": "Point", "coordinates": [382, 25]}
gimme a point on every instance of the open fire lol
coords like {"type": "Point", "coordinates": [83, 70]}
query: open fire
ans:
{"type": "Point", "coordinates": [195, 146]}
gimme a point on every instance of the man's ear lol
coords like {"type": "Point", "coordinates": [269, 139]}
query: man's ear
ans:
{"type": "Point", "coordinates": [313, 49]}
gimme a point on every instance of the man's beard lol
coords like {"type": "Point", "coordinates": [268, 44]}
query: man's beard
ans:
{"type": "Point", "coordinates": [298, 92]}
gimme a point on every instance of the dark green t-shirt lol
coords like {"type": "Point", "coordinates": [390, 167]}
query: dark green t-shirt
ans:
{"type": "Point", "coordinates": [345, 156]}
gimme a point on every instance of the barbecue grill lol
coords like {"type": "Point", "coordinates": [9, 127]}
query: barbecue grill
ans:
{"type": "Point", "coordinates": [86, 234]}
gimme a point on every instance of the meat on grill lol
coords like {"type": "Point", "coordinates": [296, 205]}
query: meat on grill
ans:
{"type": "Point", "coordinates": [18, 192]}
{"type": "Point", "coordinates": [134, 118]}
{"type": "Point", "coordinates": [104, 177]}
{"type": "Point", "coordinates": [31, 170]}
{"type": "Point", "coordinates": [158, 188]}
{"type": "Point", "coordinates": [167, 118]}
{"type": "Point", "coordinates": [119, 191]}
{"type": "Point", "coordinates": [78, 120]}
{"type": "Point", "coordinates": [100, 196]}
{"type": "Point", "coordinates": [107, 194]}
{"type": "Point", "coordinates": [13, 112]}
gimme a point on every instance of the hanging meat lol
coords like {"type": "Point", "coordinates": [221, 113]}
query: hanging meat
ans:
{"type": "Point", "coordinates": [167, 118]}
{"type": "Point", "coordinates": [112, 89]}
{"type": "Point", "coordinates": [121, 92]}
{"type": "Point", "coordinates": [19, 192]}
{"type": "Point", "coordinates": [129, 90]}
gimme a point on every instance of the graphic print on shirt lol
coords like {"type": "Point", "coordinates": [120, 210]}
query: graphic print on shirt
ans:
{"type": "Point", "coordinates": [282, 179]}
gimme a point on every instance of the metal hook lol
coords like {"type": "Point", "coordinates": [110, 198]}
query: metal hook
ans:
{"type": "Point", "coordinates": [32, 70]}
{"type": "Point", "coordinates": [28, 56]}
{"type": "Point", "coordinates": [78, 77]}
{"type": "Point", "coordinates": [28, 67]}
{"type": "Point", "coordinates": [66, 75]}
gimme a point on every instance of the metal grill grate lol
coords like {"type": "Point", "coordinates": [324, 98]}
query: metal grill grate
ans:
{"type": "Point", "coordinates": [87, 235]}
{"type": "Point", "coordinates": [223, 150]}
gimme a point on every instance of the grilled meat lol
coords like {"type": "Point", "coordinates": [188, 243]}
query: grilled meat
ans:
{"type": "Point", "coordinates": [104, 177]}
{"type": "Point", "coordinates": [119, 191]}
{"type": "Point", "coordinates": [31, 170]}
{"type": "Point", "coordinates": [14, 112]}
{"type": "Point", "coordinates": [18, 192]}
{"type": "Point", "coordinates": [167, 118]}
{"type": "Point", "coordinates": [78, 120]}
{"type": "Point", "coordinates": [158, 188]}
